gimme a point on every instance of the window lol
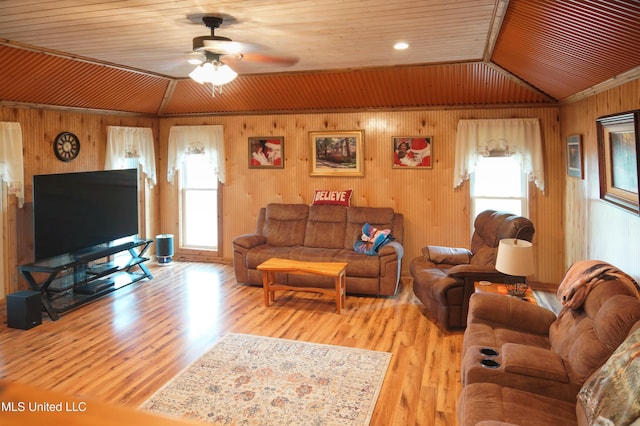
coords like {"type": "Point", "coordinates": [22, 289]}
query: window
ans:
{"type": "Point", "coordinates": [499, 183]}
{"type": "Point", "coordinates": [199, 204]}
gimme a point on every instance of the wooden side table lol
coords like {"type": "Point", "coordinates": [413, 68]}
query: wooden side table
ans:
{"type": "Point", "coordinates": [332, 269]}
{"type": "Point", "coordinates": [499, 288]}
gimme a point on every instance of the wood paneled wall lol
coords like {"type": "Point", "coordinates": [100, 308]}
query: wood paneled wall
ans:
{"type": "Point", "coordinates": [39, 128]}
{"type": "Point", "coordinates": [434, 212]}
{"type": "Point", "coordinates": [594, 228]}
{"type": "Point", "coordinates": [572, 223]}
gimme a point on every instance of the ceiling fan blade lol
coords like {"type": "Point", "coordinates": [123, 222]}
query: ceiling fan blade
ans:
{"type": "Point", "coordinates": [195, 57]}
{"type": "Point", "coordinates": [268, 59]}
{"type": "Point", "coordinates": [226, 47]}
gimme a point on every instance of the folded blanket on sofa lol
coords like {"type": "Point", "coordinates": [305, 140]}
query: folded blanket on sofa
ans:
{"type": "Point", "coordinates": [372, 239]}
{"type": "Point", "coordinates": [583, 275]}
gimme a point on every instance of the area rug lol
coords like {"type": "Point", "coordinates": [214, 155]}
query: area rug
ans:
{"type": "Point", "coordinates": [254, 380]}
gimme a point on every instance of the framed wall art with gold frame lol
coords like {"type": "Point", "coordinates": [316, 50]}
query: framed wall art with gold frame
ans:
{"type": "Point", "coordinates": [337, 153]}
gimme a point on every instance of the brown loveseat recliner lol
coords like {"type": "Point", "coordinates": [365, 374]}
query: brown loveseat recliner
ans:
{"type": "Point", "coordinates": [443, 277]}
{"type": "Point", "coordinates": [322, 233]}
{"type": "Point", "coordinates": [609, 397]}
{"type": "Point", "coordinates": [542, 363]}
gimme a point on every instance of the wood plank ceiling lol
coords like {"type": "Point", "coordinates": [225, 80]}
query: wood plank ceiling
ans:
{"type": "Point", "coordinates": [130, 56]}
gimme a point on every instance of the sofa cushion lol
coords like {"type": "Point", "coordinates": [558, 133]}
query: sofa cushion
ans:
{"type": "Point", "coordinates": [585, 339]}
{"type": "Point", "coordinates": [285, 224]}
{"type": "Point", "coordinates": [379, 217]}
{"type": "Point", "coordinates": [359, 265]}
{"type": "Point", "coordinates": [491, 402]}
{"type": "Point", "coordinates": [262, 253]}
{"type": "Point", "coordinates": [613, 392]}
{"type": "Point", "coordinates": [325, 226]}
{"type": "Point", "coordinates": [313, 254]}
{"type": "Point", "coordinates": [492, 226]}
{"type": "Point", "coordinates": [485, 256]}
{"type": "Point", "coordinates": [533, 361]}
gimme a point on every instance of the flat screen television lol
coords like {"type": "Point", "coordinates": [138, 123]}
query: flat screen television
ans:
{"type": "Point", "coordinates": [76, 211]}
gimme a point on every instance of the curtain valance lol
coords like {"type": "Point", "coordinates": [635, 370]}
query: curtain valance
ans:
{"type": "Point", "coordinates": [11, 160]}
{"type": "Point", "coordinates": [131, 143]}
{"type": "Point", "coordinates": [517, 137]}
{"type": "Point", "coordinates": [186, 140]}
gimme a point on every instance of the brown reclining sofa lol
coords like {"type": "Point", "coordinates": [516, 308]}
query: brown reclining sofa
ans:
{"type": "Point", "coordinates": [322, 233]}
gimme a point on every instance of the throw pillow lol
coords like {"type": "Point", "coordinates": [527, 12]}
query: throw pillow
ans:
{"type": "Point", "coordinates": [338, 198]}
{"type": "Point", "coordinates": [372, 239]}
{"type": "Point", "coordinates": [612, 395]}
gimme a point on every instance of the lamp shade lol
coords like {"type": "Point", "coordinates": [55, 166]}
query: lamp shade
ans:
{"type": "Point", "coordinates": [515, 257]}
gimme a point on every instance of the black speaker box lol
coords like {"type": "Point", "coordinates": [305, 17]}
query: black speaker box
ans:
{"type": "Point", "coordinates": [164, 248]}
{"type": "Point", "coordinates": [24, 310]}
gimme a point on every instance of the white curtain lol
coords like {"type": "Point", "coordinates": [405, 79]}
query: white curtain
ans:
{"type": "Point", "coordinates": [125, 144]}
{"type": "Point", "coordinates": [185, 140]}
{"type": "Point", "coordinates": [11, 161]}
{"type": "Point", "coordinates": [517, 137]}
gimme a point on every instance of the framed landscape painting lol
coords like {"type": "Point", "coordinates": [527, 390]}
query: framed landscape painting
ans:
{"type": "Point", "coordinates": [618, 161]}
{"type": "Point", "coordinates": [412, 152]}
{"type": "Point", "coordinates": [337, 153]}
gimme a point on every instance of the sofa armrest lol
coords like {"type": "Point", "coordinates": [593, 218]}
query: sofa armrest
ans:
{"type": "Point", "coordinates": [392, 248]}
{"type": "Point", "coordinates": [536, 362]}
{"type": "Point", "coordinates": [482, 271]}
{"type": "Point", "coordinates": [248, 241]}
{"type": "Point", "coordinates": [509, 312]}
{"type": "Point", "coordinates": [447, 255]}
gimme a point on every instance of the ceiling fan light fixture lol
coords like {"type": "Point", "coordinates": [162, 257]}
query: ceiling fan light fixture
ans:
{"type": "Point", "coordinates": [214, 72]}
{"type": "Point", "coordinates": [222, 74]}
{"type": "Point", "coordinates": [198, 74]}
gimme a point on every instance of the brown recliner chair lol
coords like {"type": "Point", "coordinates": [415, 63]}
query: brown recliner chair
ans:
{"type": "Point", "coordinates": [443, 277]}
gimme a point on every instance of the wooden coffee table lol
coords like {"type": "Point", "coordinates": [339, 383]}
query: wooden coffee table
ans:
{"type": "Point", "coordinates": [499, 288]}
{"type": "Point", "coordinates": [331, 269]}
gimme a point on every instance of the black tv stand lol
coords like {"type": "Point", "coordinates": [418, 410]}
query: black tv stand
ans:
{"type": "Point", "coordinates": [71, 280]}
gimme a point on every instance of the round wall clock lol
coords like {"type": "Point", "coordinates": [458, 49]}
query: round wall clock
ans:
{"type": "Point", "coordinates": [66, 146]}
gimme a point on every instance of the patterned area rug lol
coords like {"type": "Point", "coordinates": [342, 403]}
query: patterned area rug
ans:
{"type": "Point", "coordinates": [253, 380]}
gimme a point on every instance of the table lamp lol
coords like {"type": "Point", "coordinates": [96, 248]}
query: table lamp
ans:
{"type": "Point", "coordinates": [515, 258]}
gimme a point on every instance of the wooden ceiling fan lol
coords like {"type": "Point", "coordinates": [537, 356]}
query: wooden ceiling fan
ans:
{"type": "Point", "coordinates": [223, 48]}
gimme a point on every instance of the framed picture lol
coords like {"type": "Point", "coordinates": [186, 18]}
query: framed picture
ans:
{"type": "Point", "coordinates": [265, 152]}
{"type": "Point", "coordinates": [337, 153]}
{"type": "Point", "coordinates": [574, 156]}
{"type": "Point", "coordinates": [618, 145]}
{"type": "Point", "coordinates": [412, 152]}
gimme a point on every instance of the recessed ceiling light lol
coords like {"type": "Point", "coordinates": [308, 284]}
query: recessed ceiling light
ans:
{"type": "Point", "coordinates": [401, 45]}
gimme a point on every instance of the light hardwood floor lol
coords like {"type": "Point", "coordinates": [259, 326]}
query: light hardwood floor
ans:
{"type": "Point", "coordinates": [123, 347]}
